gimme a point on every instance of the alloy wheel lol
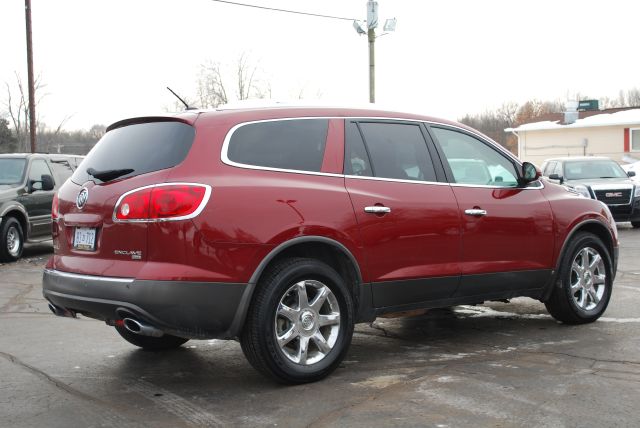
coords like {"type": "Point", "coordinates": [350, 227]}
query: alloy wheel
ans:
{"type": "Point", "coordinates": [588, 278]}
{"type": "Point", "coordinates": [307, 322]}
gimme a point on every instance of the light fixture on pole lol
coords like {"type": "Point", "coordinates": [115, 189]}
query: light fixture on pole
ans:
{"type": "Point", "coordinates": [370, 31]}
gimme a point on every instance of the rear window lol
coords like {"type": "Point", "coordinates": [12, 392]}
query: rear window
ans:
{"type": "Point", "coordinates": [137, 149]}
{"type": "Point", "coordinates": [285, 144]}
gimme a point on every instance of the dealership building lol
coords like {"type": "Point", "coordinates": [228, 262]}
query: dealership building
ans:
{"type": "Point", "coordinates": [614, 133]}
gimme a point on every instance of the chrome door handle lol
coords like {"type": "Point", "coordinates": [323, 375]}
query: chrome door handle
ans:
{"type": "Point", "coordinates": [377, 210]}
{"type": "Point", "coordinates": [475, 212]}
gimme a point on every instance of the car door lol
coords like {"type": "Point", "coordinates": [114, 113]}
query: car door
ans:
{"type": "Point", "coordinates": [36, 201]}
{"type": "Point", "coordinates": [507, 228]}
{"type": "Point", "coordinates": [408, 219]}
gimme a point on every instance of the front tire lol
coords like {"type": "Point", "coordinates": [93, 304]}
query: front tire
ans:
{"type": "Point", "coordinates": [583, 290]}
{"type": "Point", "coordinates": [11, 240]}
{"type": "Point", "coordinates": [300, 322]}
{"type": "Point", "coordinates": [149, 343]}
{"type": "Point", "coordinates": [635, 224]}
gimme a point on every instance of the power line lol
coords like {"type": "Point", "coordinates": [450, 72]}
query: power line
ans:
{"type": "Point", "coordinates": [285, 10]}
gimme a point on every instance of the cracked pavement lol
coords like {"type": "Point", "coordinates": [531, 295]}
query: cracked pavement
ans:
{"type": "Point", "coordinates": [498, 365]}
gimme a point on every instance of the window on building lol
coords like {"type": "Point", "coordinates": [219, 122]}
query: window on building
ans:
{"type": "Point", "coordinates": [635, 139]}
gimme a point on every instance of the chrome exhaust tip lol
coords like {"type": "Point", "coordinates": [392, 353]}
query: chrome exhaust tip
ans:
{"type": "Point", "coordinates": [61, 312]}
{"type": "Point", "coordinates": [137, 327]}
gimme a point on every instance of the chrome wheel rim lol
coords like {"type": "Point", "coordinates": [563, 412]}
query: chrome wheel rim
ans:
{"type": "Point", "coordinates": [307, 322]}
{"type": "Point", "coordinates": [13, 241]}
{"type": "Point", "coordinates": [588, 278]}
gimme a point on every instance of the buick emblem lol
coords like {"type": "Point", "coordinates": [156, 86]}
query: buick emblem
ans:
{"type": "Point", "coordinates": [81, 200]}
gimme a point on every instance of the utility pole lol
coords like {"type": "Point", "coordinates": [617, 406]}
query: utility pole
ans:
{"type": "Point", "coordinates": [32, 103]}
{"type": "Point", "coordinates": [372, 23]}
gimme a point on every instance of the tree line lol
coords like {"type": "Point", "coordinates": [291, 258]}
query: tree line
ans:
{"type": "Point", "coordinates": [219, 83]}
{"type": "Point", "coordinates": [510, 115]}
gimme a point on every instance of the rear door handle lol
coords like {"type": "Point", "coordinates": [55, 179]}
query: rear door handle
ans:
{"type": "Point", "coordinates": [377, 210]}
{"type": "Point", "coordinates": [476, 212]}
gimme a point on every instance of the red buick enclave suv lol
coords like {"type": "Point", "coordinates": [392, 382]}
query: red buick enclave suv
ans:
{"type": "Point", "coordinates": [285, 226]}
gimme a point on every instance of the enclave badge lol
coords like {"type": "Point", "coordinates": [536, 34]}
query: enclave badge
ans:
{"type": "Point", "coordinates": [82, 198]}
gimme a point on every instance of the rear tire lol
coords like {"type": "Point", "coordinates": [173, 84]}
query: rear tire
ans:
{"type": "Point", "coordinates": [149, 343]}
{"type": "Point", "coordinates": [300, 322]}
{"type": "Point", "coordinates": [11, 240]}
{"type": "Point", "coordinates": [583, 289]}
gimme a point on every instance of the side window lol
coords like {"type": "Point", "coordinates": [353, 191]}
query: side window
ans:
{"type": "Point", "coordinates": [356, 158]}
{"type": "Point", "coordinates": [62, 169]}
{"type": "Point", "coordinates": [398, 150]}
{"type": "Point", "coordinates": [558, 169]}
{"type": "Point", "coordinates": [38, 169]}
{"type": "Point", "coordinates": [474, 162]}
{"type": "Point", "coordinates": [549, 168]}
{"type": "Point", "coordinates": [285, 144]}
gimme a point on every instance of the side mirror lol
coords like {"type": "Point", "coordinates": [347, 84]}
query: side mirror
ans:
{"type": "Point", "coordinates": [556, 177]}
{"type": "Point", "coordinates": [530, 173]}
{"type": "Point", "coordinates": [631, 173]}
{"type": "Point", "coordinates": [47, 182]}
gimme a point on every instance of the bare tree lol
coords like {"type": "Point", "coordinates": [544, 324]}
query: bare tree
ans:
{"type": "Point", "coordinates": [211, 88]}
{"type": "Point", "coordinates": [213, 82]}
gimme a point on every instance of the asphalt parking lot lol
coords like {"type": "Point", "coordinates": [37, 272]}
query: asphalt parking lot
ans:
{"type": "Point", "coordinates": [499, 364]}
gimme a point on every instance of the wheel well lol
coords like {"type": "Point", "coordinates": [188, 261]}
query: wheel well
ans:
{"type": "Point", "coordinates": [601, 232]}
{"type": "Point", "coordinates": [21, 219]}
{"type": "Point", "coordinates": [329, 254]}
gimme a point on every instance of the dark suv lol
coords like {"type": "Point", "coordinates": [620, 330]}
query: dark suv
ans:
{"type": "Point", "coordinates": [285, 226]}
{"type": "Point", "coordinates": [598, 178]}
{"type": "Point", "coordinates": [27, 185]}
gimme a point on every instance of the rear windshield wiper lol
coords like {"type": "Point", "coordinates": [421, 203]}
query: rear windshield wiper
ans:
{"type": "Point", "coordinates": [109, 174]}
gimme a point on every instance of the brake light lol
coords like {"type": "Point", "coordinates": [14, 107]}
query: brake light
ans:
{"type": "Point", "coordinates": [54, 207]}
{"type": "Point", "coordinates": [162, 202]}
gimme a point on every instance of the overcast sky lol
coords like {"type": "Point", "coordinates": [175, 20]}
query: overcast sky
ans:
{"type": "Point", "coordinates": [104, 60]}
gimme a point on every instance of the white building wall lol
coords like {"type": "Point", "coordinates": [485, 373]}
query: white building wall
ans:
{"type": "Point", "coordinates": [536, 146]}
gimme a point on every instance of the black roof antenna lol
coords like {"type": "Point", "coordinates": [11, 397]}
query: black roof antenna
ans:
{"type": "Point", "coordinates": [183, 101]}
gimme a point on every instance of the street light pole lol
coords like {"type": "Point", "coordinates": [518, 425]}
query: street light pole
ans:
{"type": "Point", "coordinates": [371, 34]}
{"type": "Point", "coordinates": [372, 23]}
{"type": "Point", "coordinates": [32, 103]}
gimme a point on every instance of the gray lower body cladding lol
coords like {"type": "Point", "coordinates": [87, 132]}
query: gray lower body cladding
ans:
{"type": "Point", "coordinates": [182, 308]}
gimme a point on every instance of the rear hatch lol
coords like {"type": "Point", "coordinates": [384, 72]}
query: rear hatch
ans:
{"type": "Point", "coordinates": [88, 236]}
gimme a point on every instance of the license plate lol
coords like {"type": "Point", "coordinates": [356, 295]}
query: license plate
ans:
{"type": "Point", "coordinates": [85, 238]}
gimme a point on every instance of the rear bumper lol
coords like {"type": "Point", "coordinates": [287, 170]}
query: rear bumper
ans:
{"type": "Point", "coordinates": [182, 308]}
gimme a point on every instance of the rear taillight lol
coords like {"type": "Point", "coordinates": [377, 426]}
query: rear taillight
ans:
{"type": "Point", "coordinates": [162, 202]}
{"type": "Point", "coordinates": [54, 207]}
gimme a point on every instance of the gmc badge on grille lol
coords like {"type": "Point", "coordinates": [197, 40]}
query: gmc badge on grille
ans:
{"type": "Point", "coordinates": [613, 194]}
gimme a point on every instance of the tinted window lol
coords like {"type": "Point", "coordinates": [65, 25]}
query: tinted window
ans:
{"type": "Point", "coordinates": [11, 170]}
{"type": "Point", "coordinates": [141, 148]}
{"type": "Point", "coordinates": [475, 162]}
{"type": "Point", "coordinates": [286, 144]}
{"type": "Point", "coordinates": [398, 151]}
{"type": "Point", "coordinates": [356, 159]}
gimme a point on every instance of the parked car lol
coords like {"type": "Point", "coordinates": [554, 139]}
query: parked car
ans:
{"type": "Point", "coordinates": [635, 168]}
{"type": "Point", "coordinates": [285, 226]}
{"type": "Point", "coordinates": [27, 185]}
{"type": "Point", "coordinates": [599, 178]}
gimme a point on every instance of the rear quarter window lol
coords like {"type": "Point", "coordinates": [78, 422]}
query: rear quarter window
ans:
{"type": "Point", "coordinates": [296, 144]}
{"type": "Point", "coordinates": [141, 147]}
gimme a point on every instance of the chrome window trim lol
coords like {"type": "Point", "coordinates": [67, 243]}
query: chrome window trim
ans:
{"type": "Point", "coordinates": [205, 200]}
{"type": "Point", "coordinates": [225, 148]}
{"type": "Point", "coordinates": [58, 273]}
